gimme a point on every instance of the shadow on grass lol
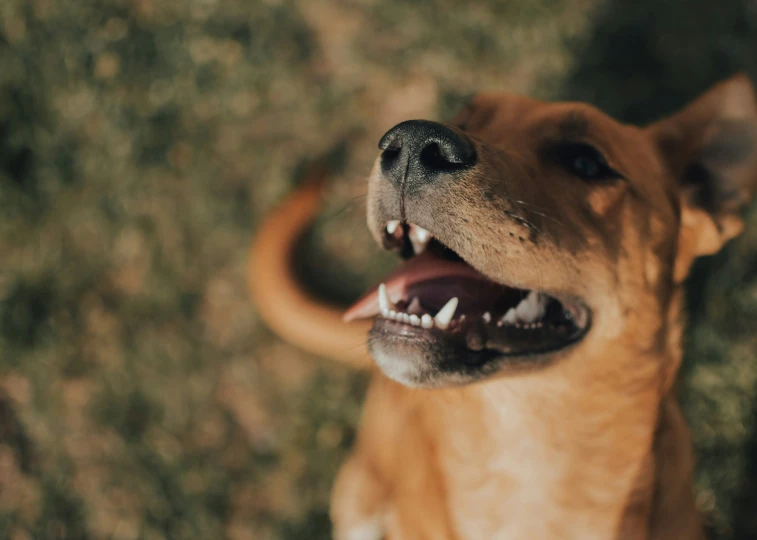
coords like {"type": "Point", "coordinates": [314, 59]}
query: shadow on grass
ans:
{"type": "Point", "coordinates": [640, 61]}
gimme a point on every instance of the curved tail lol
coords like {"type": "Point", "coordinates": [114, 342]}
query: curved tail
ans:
{"type": "Point", "coordinates": [280, 299]}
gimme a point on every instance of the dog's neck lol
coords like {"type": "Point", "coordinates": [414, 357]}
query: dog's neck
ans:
{"type": "Point", "coordinates": [520, 445]}
{"type": "Point", "coordinates": [600, 471]}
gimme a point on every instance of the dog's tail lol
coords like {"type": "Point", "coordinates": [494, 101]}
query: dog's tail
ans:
{"type": "Point", "coordinates": [282, 302]}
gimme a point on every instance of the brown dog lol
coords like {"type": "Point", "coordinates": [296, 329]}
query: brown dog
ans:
{"type": "Point", "coordinates": [529, 345]}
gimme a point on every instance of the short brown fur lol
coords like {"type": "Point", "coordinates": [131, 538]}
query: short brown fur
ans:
{"type": "Point", "coordinates": [593, 443]}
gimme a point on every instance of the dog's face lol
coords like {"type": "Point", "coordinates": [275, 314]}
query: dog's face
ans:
{"type": "Point", "coordinates": [536, 232]}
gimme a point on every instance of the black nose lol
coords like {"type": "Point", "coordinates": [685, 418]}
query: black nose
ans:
{"type": "Point", "coordinates": [419, 152]}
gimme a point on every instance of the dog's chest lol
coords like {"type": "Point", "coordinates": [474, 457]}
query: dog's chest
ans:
{"type": "Point", "coordinates": [512, 483]}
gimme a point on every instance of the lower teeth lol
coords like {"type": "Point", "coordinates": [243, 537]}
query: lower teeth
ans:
{"type": "Point", "coordinates": [527, 314]}
{"type": "Point", "coordinates": [426, 321]}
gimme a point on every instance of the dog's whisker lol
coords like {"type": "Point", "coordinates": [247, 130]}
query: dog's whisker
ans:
{"type": "Point", "coordinates": [542, 214]}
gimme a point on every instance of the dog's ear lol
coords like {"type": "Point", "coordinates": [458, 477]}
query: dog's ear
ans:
{"type": "Point", "coordinates": [711, 149]}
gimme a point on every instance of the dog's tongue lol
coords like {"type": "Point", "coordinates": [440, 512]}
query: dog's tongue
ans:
{"type": "Point", "coordinates": [420, 268]}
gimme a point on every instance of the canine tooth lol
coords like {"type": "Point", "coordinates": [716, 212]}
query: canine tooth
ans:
{"type": "Point", "coordinates": [487, 317]}
{"type": "Point", "coordinates": [445, 314]}
{"type": "Point", "coordinates": [415, 320]}
{"type": "Point", "coordinates": [419, 237]}
{"type": "Point", "coordinates": [510, 317]}
{"type": "Point", "coordinates": [531, 307]}
{"type": "Point", "coordinates": [415, 306]}
{"type": "Point", "coordinates": [427, 321]}
{"type": "Point", "coordinates": [392, 225]}
{"type": "Point", "coordinates": [383, 299]}
{"type": "Point", "coordinates": [422, 234]}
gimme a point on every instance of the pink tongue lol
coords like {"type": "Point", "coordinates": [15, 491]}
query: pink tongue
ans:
{"type": "Point", "coordinates": [415, 270]}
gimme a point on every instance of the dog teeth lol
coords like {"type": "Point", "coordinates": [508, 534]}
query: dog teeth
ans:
{"type": "Point", "coordinates": [445, 314]}
{"type": "Point", "coordinates": [527, 314]}
{"type": "Point", "coordinates": [413, 317]}
{"type": "Point", "coordinates": [422, 234]}
{"type": "Point", "coordinates": [391, 226]}
{"type": "Point", "coordinates": [509, 318]}
{"type": "Point", "coordinates": [419, 238]}
{"type": "Point", "coordinates": [385, 303]}
{"type": "Point", "coordinates": [427, 321]}
{"type": "Point", "coordinates": [531, 308]}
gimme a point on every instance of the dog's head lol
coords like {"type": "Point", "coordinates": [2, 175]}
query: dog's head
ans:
{"type": "Point", "coordinates": [536, 231]}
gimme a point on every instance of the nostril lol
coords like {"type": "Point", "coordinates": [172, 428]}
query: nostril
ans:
{"type": "Point", "coordinates": [436, 158]}
{"type": "Point", "coordinates": [391, 144]}
{"type": "Point", "coordinates": [389, 157]}
{"type": "Point", "coordinates": [432, 158]}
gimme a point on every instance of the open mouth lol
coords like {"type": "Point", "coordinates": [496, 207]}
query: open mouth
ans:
{"type": "Point", "coordinates": [436, 297]}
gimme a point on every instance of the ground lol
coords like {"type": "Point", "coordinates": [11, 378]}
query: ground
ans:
{"type": "Point", "coordinates": [141, 141]}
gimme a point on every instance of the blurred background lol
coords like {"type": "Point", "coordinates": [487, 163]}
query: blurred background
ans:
{"type": "Point", "coordinates": [142, 141]}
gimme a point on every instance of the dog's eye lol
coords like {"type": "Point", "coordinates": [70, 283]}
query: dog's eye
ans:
{"type": "Point", "coordinates": [584, 161]}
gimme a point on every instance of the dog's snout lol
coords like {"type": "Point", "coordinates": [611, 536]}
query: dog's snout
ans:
{"type": "Point", "coordinates": [419, 151]}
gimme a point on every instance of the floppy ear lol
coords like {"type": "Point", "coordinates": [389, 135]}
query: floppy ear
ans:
{"type": "Point", "coordinates": [711, 149]}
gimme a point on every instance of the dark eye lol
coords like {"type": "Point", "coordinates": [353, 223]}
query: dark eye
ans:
{"type": "Point", "coordinates": [584, 161]}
